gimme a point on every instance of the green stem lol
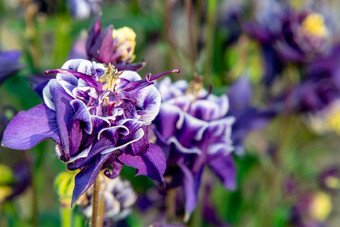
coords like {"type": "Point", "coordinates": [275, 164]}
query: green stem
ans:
{"type": "Point", "coordinates": [34, 192]}
{"type": "Point", "coordinates": [66, 216]}
{"type": "Point", "coordinates": [210, 39]}
{"type": "Point", "coordinates": [192, 43]}
{"type": "Point", "coordinates": [78, 220]}
{"type": "Point", "coordinates": [95, 203]}
{"type": "Point", "coordinates": [171, 205]}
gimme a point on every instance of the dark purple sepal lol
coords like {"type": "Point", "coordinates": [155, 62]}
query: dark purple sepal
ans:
{"type": "Point", "coordinates": [28, 128]}
{"type": "Point", "coordinates": [151, 163]}
{"type": "Point", "coordinates": [104, 46]}
{"type": "Point", "coordinates": [224, 169]}
{"type": "Point", "coordinates": [92, 37]}
{"type": "Point", "coordinates": [191, 184]}
{"type": "Point", "coordinates": [130, 66]}
{"type": "Point", "coordinates": [87, 176]}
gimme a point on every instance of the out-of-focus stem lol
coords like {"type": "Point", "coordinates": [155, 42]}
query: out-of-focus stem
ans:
{"type": "Point", "coordinates": [191, 35]}
{"type": "Point", "coordinates": [31, 10]}
{"type": "Point", "coordinates": [95, 203]}
{"type": "Point", "coordinates": [210, 40]}
{"type": "Point", "coordinates": [78, 220]}
{"type": "Point", "coordinates": [171, 205]}
{"type": "Point", "coordinates": [66, 216]}
{"type": "Point", "coordinates": [34, 193]}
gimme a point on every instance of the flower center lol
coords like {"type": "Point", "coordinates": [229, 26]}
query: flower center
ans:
{"type": "Point", "coordinates": [333, 121]}
{"type": "Point", "coordinates": [109, 77]}
{"type": "Point", "coordinates": [314, 24]}
{"type": "Point", "coordinates": [195, 86]}
{"type": "Point", "coordinates": [332, 182]}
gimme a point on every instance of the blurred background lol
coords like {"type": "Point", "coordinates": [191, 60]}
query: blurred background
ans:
{"type": "Point", "coordinates": [288, 173]}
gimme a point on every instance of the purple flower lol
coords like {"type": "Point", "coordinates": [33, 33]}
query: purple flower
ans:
{"type": "Point", "coordinates": [311, 209]}
{"type": "Point", "coordinates": [9, 64]}
{"type": "Point", "coordinates": [194, 133]}
{"type": "Point", "coordinates": [83, 9]}
{"type": "Point", "coordinates": [247, 117]}
{"type": "Point", "coordinates": [13, 182]}
{"type": "Point", "coordinates": [98, 117]}
{"type": "Point", "coordinates": [320, 85]}
{"type": "Point", "coordinates": [330, 179]}
{"type": "Point", "coordinates": [289, 36]}
{"type": "Point", "coordinates": [118, 196]}
{"type": "Point", "coordinates": [115, 46]}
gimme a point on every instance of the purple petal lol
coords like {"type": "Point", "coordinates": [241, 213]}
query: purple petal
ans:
{"type": "Point", "coordinates": [28, 128]}
{"type": "Point", "coordinates": [56, 98]}
{"type": "Point", "coordinates": [130, 66]}
{"type": "Point", "coordinates": [224, 169]}
{"type": "Point", "coordinates": [92, 37]}
{"type": "Point", "coordinates": [104, 45]}
{"type": "Point", "coordinates": [191, 184]}
{"type": "Point", "coordinates": [86, 177]}
{"type": "Point", "coordinates": [151, 163]}
{"type": "Point", "coordinates": [79, 49]}
{"type": "Point", "coordinates": [239, 94]}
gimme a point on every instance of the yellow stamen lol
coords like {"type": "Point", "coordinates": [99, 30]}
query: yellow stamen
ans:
{"type": "Point", "coordinates": [314, 24]}
{"type": "Point", "coordinates": [109, 77]}
{"type": "Point", "coordinates": [195, 86]}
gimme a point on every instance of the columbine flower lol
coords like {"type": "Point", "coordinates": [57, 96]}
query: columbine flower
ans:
{"type": "Point", "coordinates": [194, 132]}
{"type": "Point", "coordinates": [13, 182]}
{"type": "Point", "coordinates": [118, 196]}
{"type": "Point", "coordinates": [247, 117]}
{"type": "Point", "coordinates": [115, 46]}
{"type": "Point", "coordinates": [83, 9]}
{"type": "Point", "coordinates": [98, 118]}
{"type": "Point", "coordinates": [320, 86]}
{"type": "Point", "coordinates": [289, 36]}
{"type": "Point", "coordinates": [311, 209]}
{"type": "Point", "coordinates": [9, 64]}
{"type": "Point", "coordinates": [330, 179]}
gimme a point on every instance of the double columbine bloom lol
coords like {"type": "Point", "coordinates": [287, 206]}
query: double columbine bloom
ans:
{"type": "Point", "coordinates": [194, 131]}
{"type": "Point", "coordinates": [99, 119]}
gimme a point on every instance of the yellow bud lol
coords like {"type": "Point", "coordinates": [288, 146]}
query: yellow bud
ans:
{"type": "Point", "coordinates": [314, 24]}
{"type": "Point", "coordinates": [64, 185]}
{"type": "Point", "coordinates": [126, 43]}
{"type": "Point", "coordinates": [321, 206]}
{"type": "Point", "coordinates": [6, 175]}
{"type": "Point", "coordinates": [5, 191]}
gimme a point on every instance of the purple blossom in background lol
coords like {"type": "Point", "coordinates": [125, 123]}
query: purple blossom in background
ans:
{"type": "Point", "coordinates": [289, 36]}
{"type": "Point", "coordinates": [98, 117]}
{"type": "Point", "coordinates": [83, 9]}
{"type": "Point", "coordinates": [118, 197]}
{"type": "Point", "coordinates": [115, 46]}
{"type": "Point", "coordinates": [193, 130]}
{"type": "Point", "coordinates": [320, 85]}
{"type": "Point", "coordinates": [247, 118]}
{"type": "Point", "coordinates": [9, 64]}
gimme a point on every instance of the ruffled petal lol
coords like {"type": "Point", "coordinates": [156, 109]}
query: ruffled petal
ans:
{"type": "Point", "coordinates": [86, 177]}
{"type": "Point", "coordinates": [152, 163]}
{"type": "Point", "coordinates": [225, 170]}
